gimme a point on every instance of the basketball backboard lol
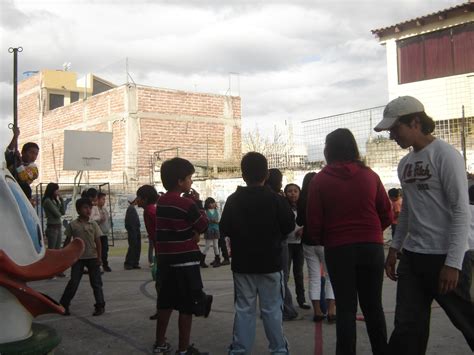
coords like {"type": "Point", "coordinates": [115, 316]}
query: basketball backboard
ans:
{"type": "Point", "coordinates": [86, 150]}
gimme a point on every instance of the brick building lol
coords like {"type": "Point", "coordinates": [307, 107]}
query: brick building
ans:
{"type": "Point", "coordinates": [148, 125]}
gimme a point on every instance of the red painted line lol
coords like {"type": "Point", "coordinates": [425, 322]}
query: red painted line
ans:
{"type": "Point", "coordinates": [318, 338]}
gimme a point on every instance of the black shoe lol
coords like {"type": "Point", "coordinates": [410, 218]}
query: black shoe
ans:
{"type": "Point", "coordinates": [128, 267]}
{"type": "Point", "coordinates": [225, 262]}
{"type": "Point", "coordinates": [191, 350]}
{"type": "Point", "coordinates": [331, 318]}
{"type": "Point", "coordinates": [154, 317]}
{"type": "Point", "coordinates": [137, 267]}
{"type": "Point", "coordinates": [98, 311]}
{"type": "Point", "coordinates": [304, 305]}
{"type": "Point", "coordinates": [318, 318]}
{"type": "Point", "coordinates": [61, 274]}
{"type": "Point", "coordinates": [289, 319]}
{"type": "Point", "coordinates": [107, 268]}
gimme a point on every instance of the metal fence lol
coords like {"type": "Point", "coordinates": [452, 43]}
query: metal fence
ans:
{"type": "Point", "coordinates": [378, 151]}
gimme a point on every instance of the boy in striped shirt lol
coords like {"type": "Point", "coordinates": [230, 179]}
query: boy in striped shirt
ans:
{"type": "Point", "coordinates": [178, 226]}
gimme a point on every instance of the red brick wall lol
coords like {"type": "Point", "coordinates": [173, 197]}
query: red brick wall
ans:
{"type": "Point", "coordinates": [184, 103]}
{"type": "Point", "coordinates": [28, 107]}
{"type": "Point", "coordinates": [193, 122]}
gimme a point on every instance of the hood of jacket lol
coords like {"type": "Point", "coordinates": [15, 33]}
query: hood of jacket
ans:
{"type": "Point", "coordinates": [343, 170]}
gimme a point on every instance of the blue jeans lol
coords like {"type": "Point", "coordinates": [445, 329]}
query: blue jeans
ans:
{"type": "Point", "coordinates": [269, 288]}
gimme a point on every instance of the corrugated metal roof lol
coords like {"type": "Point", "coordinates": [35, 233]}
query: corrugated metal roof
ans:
{"type": "Point", "coordinates": [468, 6]}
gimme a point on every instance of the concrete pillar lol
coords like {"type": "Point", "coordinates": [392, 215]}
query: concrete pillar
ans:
{"type": "Point", "coordinates": [228, 114]}
{"type": "Point", "coordinates": [131, 138]}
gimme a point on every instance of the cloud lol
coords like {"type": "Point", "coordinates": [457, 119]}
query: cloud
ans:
{"type": "Point", "coordinates": [11, 17]}
{"type": "Point", "coordinates": [298, 59]}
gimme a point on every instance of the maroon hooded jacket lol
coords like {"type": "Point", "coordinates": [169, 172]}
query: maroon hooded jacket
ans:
{"type": "Point", "coordinates": [347, 204]}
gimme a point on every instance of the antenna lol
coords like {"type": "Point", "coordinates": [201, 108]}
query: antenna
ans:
{"type": "Point", "coordinates": [66, 66]}
{"type": "Point", "coordinates": [229, 90]}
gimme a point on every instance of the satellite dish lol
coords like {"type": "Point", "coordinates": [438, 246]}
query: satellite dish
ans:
{"type": "Point", "coordinates": [66, 66]}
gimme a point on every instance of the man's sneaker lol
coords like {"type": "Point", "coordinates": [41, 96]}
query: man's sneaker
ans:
{"type": "Point", "coordinates": [191, 350]}
{"type": "Point", "coordinates": [107, 269]}
{"type": "Point", "coordinates": [161, 349]}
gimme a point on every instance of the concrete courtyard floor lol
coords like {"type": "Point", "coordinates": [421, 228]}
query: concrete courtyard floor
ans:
{"type": "Point", "coordinates": [130, 297]}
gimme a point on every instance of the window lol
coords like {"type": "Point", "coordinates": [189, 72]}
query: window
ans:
{"type": "Point", "coordinates": [99, 86]}
{"type": "Point", "coordinates": [437, 54]}
{"type": "Point", "coordinates": [74, 96]}
{"type": "Point", "coordinates": [55, 101]}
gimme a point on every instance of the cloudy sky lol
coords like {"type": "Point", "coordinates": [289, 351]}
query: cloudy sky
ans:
{"type": "Point", "coordinates": [295, 60]}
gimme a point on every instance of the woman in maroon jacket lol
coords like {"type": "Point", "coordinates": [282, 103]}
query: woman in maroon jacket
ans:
{"type": "Point", "coordinates": [347, 211]}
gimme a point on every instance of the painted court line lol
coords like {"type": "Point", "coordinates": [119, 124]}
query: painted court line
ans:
{"type": "Point", "coordinates": [318, 338]}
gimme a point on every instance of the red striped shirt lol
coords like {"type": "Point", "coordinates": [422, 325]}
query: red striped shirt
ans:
{"type": "Point", "coordinates": [177, 220]}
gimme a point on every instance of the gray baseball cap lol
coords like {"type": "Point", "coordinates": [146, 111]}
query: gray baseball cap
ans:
{"type": "Point", "coordinates": [401, 106]}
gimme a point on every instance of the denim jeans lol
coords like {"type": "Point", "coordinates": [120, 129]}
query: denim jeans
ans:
{"type": "Point", "coordinates": [289, 310]}
{"type": "Point", "coordinates": [418, 278]}
{"type": "Point", "coordinates": [269, 289]}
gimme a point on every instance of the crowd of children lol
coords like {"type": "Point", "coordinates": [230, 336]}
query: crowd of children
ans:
{"type": "Point", "coordinates": [271, 230]}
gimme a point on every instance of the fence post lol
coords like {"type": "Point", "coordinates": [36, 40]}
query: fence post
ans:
{"type": "Point", "coordinates": [463, 138]}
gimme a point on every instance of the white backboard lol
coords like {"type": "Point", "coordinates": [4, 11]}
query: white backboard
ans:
{"type": "Point", "coordinates": [85, 150]}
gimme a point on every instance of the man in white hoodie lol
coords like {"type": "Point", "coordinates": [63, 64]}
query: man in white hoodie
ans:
{"type": "Point", "coordinates": [432, 231]}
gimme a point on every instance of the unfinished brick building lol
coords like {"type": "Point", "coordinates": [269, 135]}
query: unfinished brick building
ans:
{"type": "Point", "coordinates": [148, 124]}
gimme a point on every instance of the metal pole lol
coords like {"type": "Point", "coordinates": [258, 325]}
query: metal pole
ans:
{"type": "Point", "coordinates": [111, 220]}
{"type": "Point", "coordinates": [14, 127]}
{"type": "Point", "coordinates": [126, 68]}
{"type": "Point", "coordinates": [463, 138]}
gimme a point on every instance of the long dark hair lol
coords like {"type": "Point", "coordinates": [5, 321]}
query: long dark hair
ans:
{"type": "Point", "coordinates": [301, 205]}
{"type": "Point", "coordinates": [341, 146]}
{"type": "Point", "coordinates": [50, 188]}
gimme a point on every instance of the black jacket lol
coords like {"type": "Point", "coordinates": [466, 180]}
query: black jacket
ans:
{"type": "Point", "coordinates": [256, 220]}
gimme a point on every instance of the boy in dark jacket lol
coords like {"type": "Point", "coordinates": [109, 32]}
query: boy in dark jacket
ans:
{"type": "Point", "coordinates": [256, 221]}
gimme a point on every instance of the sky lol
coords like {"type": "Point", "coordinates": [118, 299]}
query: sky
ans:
{"type": "Point", "coordinates": [288, 60]}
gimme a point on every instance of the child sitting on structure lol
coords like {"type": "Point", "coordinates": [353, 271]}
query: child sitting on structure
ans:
{"type": "Point", "coordinates": [87, 230]}
{"type": "Point", "coordinates": [178, 225]}
{"type": "Point", "coordinates": [22, 166]}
